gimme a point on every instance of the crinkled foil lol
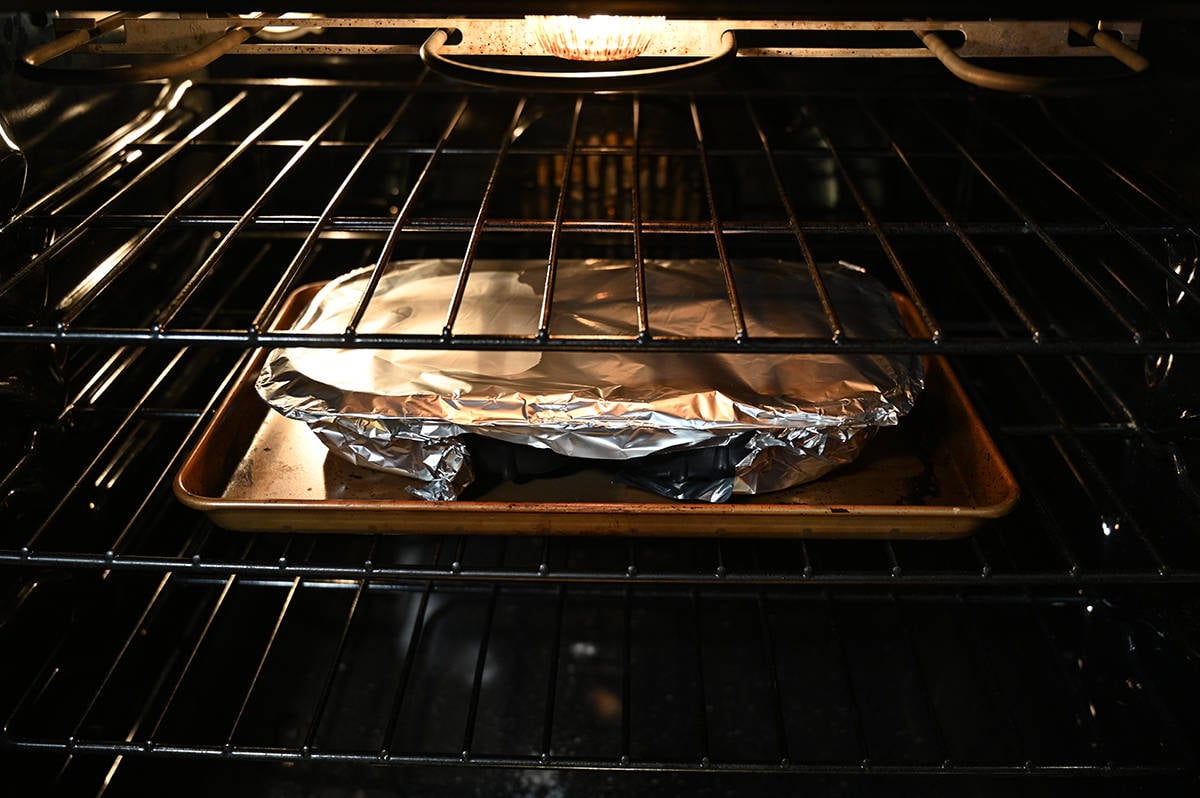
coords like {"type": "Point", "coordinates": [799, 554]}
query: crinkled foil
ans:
{"type": "Point", "coordinates": [779, 419]}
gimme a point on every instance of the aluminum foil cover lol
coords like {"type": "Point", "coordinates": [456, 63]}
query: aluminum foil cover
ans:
{"type": "Point", "coordinates": [783, 418]}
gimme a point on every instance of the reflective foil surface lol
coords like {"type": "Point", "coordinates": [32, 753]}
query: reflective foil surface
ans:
{"type": "Point", "coordinates": [783, 419]}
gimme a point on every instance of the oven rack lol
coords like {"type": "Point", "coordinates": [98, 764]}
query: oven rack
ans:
{"type": "Point", "coordinates": [1105, 502]}
{"type": "Point", "coordinates": [1062, 414]}
{"type": "Point", "coordinates": [259, 643]}
{"type": "Point", "coordinates": [1106, 499]}
{"type": "Point", "coordinates": [197, 777]}
{"type": "Point", "coordinates": [1102, 243]}
{"type": "Point", "coordinates": [281, 670]}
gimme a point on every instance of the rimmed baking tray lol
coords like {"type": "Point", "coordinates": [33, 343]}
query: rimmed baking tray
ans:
{"type": "Point", "coordinates": [937, 475]}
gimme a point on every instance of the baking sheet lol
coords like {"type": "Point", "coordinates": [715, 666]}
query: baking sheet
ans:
{"type": "Point", "coordinates": [937, 475]}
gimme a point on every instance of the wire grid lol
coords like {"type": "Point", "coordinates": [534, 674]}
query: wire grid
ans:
{"type": "Point", "coordinates": [1084, 519]}
{"type": "Point", "coordinates": [177, 597]}
{"type": "Point", "coordinates": [614, 678]}
{"type": "Point", "coordinates": [1107, 534]}
{"type": "Point", "coordinates": [342, 132]}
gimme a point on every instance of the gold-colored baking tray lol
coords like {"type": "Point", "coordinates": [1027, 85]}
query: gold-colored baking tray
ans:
{"type": "Point", "coordinates": [937, 475]}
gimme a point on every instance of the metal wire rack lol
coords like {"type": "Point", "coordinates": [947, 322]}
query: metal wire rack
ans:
{"type": "Point", "coordinates": [528, 676]}
{"type": "Point", "coordinates": [1013, 238]}
{"type": "Point", "coordinates": [1088, 518]}
{"type": "Point", "coordinates": [295, 129]}
{"type": "Point", "coordinates": [1058, 279]}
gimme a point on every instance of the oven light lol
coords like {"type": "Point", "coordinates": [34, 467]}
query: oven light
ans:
{"type": "Point", "coordinates": [284, 33]}
{"type": "Point", "coordinates": [600, 37]}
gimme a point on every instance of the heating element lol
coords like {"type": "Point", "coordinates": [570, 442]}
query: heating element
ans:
{"type": "Point", "coordinates": [1056, 275]}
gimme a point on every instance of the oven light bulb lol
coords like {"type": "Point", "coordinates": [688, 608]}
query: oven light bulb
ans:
{"type": "Point", "coordinates": [600, 37]}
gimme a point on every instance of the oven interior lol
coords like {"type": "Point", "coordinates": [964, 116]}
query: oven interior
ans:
{"type": "Point", "coordinates": [1050, 239]}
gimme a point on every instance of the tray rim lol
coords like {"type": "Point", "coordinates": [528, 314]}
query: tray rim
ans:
{"type": "Point", "coordinates": [845, 520]}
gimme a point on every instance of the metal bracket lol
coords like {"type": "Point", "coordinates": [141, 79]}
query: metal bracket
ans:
{"type": "Point", "coordinates": [684, 38]}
